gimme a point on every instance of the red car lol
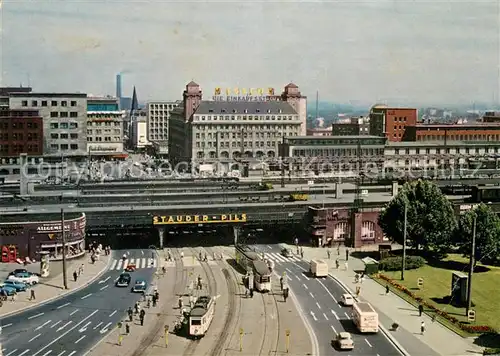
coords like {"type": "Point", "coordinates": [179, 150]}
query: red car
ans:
{"type": "Point", "coordinates": [130, 268]}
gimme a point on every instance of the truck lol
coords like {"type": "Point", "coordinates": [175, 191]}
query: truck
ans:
{"type": "Point", "coordinates": [318, 268]}
{"type": "Point", "coordinates": [365, 317]}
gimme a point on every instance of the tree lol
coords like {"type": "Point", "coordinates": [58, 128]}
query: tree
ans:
{"type": "Point", "coordinates": [487, 234]}
{"type": "Point", "coordinates": [431, 221]}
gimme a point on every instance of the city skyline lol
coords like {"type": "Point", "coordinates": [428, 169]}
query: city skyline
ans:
{"type": "Point", "coordinates": [420, 53]}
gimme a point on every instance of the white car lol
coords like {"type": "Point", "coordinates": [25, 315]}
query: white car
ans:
{"type": "Point", "coordinates": [343, 341]}
{"type": "Point", "coordinates": [347, 300]}
{"type": "Point", "coordinates": [27, 278]}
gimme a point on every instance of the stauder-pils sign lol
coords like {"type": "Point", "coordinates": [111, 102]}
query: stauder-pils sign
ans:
{"type": "Point", "coordinates": [199, 219]}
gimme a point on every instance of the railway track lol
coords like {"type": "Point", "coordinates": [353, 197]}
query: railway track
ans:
{"type": "Point", "coordinates": [268, 329]}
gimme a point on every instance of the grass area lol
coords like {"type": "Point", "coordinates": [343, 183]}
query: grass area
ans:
{"type": "Point", "coordinates": [437, 289]}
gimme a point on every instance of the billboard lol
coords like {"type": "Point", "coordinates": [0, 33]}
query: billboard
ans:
{"type": "Point", "coordinates": [199, 219]}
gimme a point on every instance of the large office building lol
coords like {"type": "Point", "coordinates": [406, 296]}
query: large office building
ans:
{"type": "Point", "coordinates": [232, 128]}
{"type": "Point", "coordinates": [104, 127]}
{"type": "Point", "coordinates": [391, 122]}
{"type": "Point", "coordinates": [64, 120]}
{"type": "Point", "coordinates": [352, 126]}
{"type": "Point", "coordinates": [139, 130]}
{"type": "Point", "coordinates": [21, 131]}
{"type": "Point", "coordinates": [158, 119]}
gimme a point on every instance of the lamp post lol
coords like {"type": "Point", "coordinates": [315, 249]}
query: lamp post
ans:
{"type": "Point", "coordinates": [403, 260]}
{"type": "Point", "coordinates": [471, 267]}
{"type": "Point", "coordinates": [63, 235]}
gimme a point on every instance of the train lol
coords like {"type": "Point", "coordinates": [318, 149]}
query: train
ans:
{"type": "Point", "coordinates": [201, 316]}
{"type": "Point", "coordinates": [253, 262]}
{"type": "Point", "coordinates": [485, 194]}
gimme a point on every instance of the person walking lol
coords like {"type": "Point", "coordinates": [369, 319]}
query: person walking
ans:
{"type": "Point", "coordinates": [420, 310]}
{"type": "Point", "coordinates": [141, 317]}
{"type": "Point", "coordinates": [130, 313]}
{"type": "Point", "coordinates": [387, 289]}
{"type": "Point", "coordinates": [346, 265]}
{"type": "Point", "coordinates": [347, 254]}
{"type": "Point", "coordinates": [32, 294]}
{"type": "Point", "coordinates": [328, 253]}
{"type": "Point", "coordinates": [13, 297]}
{"type": "Point", "coordinates": [422, 327]}
{"type": "Point", "coordinates": [75, 276]}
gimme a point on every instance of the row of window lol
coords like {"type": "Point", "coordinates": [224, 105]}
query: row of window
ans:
{"type": "Point", "coordinates": [466, 150]}
{"type": "Point", "coordinates": [106, 139]}
{"type": "Point", "coordinates": [338, 141]}
{"type": "Point", "coordinates": [337, 152]}
{"type": "Point", "coordinates": [430, 137]}
{"type": "Point", "coordinates": [104, 123]}
{"type": "Point", "coordinates": [244, 117]}
{"type": "Point", "coordinates": [4, 149]}
{"type": "Point", "coordinates": [235, 154]}
{"type": "Point", "coordinates": [54, 114]}
{"type": "Point", "coordinates": [236, 144]}
{"type": "Point", "coordinates": [19, 136]}
{"type": "Point", "coordinates": [64, 146]}
{"type": "Point", "coordinates": [18, 125]}
{"type": "Point", "coordinates": [106, 131]}
{"type": "Point", "coordinates": [63, 125]}
{"type": "Point", "coordinates": [240, 128]}
{"type": "Point", "coordinates": [63, 136]}
{"type": "Point", "coordinates": [36, 103]}
{"type": "Point", "coordinates": [400, 119]}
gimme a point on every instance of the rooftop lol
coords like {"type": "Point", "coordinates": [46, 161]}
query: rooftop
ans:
{"type": "Point", "coordinates": [465, 125]}
{"type": "Point", "coordinates": [49, 95]}
{"type": "Point", "coordinates": [440, 144]}
{"type": "Point", "coordinates": [245, 107]}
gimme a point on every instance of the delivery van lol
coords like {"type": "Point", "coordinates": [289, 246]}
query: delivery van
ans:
{"type": "Point", "coordinates": [365, 317]}
{"type": "Point", "coordinates": [318, 268]}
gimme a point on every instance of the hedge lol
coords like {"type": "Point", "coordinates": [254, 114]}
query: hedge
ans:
{"type": "Point", "coordinates": [491, 352]}
{"type": "Point", "coordinates": [394, 263]}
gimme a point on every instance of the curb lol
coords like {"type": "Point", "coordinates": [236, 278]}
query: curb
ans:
{"type": "Point", "coordinates": [90, 281]}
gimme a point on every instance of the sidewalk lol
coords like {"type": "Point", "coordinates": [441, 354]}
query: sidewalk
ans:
{"type": "Point", "coordinates": [51, 288]}
{"type": "Point", "coordinates": [437, 339]}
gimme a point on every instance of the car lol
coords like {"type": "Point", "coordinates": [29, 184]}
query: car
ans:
{"type": "Point", "coordinates": [18, 270]}
{"type": "Point", "coordinates": [123, 280]}
{"type": "Point", "coordinates": [286, 252]}
{"type": "Point", "coordinates": [140, 286]}
{"type": "Point", "coordinates": [343, 341]}
{"type": "Point", "coordinates": [18, 286]}
{"type": "Point", "coordinates": [347, 300]}
{"type": "Point", "coordinates": [6, 290]}
{"type": "Point", "coordinates": [131, 267]}
{"type": "Point", "coordinates": [24, 277]}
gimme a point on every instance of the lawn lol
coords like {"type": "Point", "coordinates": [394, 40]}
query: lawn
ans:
{"type": "Point", "coordinates": [437, 287]}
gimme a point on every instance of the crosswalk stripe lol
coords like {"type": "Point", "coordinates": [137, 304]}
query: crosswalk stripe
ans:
{"type": "Point", "coordinates": [279, 257]}
{"type": "Point", "coordinates": [139, 263]}
{"type": "Point", "coordinates": [131, 261]}
{"type": "Point", "coordinates": [125, 263]}
{"type": "Point", "coordinates": [155, 263]}
{"type": "Point", "coordinates": [119, 265]}
{"type": "Point", "coordinates": [113, 264]}
{"type": "Point", "coordinates": [143, 263]}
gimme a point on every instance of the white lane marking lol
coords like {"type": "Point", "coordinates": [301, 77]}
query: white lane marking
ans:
{"type": "Point", "coordinates": [72, 353]}
{"type": "Point", "coordinates": [6, 325]}
{"type": "Point", "coordinates": [143, 263]}
{"type": "Point", "coordinates": [113, 313]}
{"type": "Point", "coordinates": [62, 327]}
{"type": "Point", "coordinates": [269, 247]}
{"type": "Point", "coordinates": [24, 352]}
{"type": "Point", "coordinates": [319, 306]}
{"type": "Point", "coordinates": [325, 316]}
{"type": "Point", "coordinates": [62, 353]}
{"type": "Point", "coordinates": [84, 328]}
{"type": "Point", "coordinates": [312, 296]}
{"type": "Point", "coordinates": [368, 343]}
{"type": "Point", "coordinates": [329, 293]}
{"type": "Point", "coordinates": [66, 333]}
{"type": "Point", "coordinates": [288, 270]}
{"type": "Point", "coordinates": [305, 286]}
{"type": "Point", "coordinates": [335, 331]}
{"type": "Point", "coordinates": [47, 353]}
{"type": "Point", "coordinates": [279, 257]}
{"type": "Point", "coordinates": [306, 277]}
{"type": "Point", "coordinates": [119, 265]}
{"type": "Point", "coordinates": [336, 316]}
{"type": "Point", "coordinates": [104, 280]}
{"type": "Point", "coordinates": [125, 263]}
{"type": "Point", "coordinates": [73, 312]}
{"type": "Point", "coordinates": [155, 263]}
{"type": "Point", "coordinates": [80, 339]}
{"type": "Point", "coordinates": [34, 337]}
{"type": "Point", "coordinates": [64, 305]}
{"type": "Point", "coordinates": [113, 265]}
{"type": "Point", "coordinates": [314, 316]}
{"type": "Point", "coordinates": [103, 288]}
{"type": "Point", "coordinates": [12, 352]}
{"type": "Point", "coordinates": [86, 296]}
{"type": "Point", "coordinates": [35, 316]}
{"type": "Point", "coordinates": [105, 328]}
{"type": "Point", "coordinates": [298, 278]}
{"type": "Point", "coordinates": [97, 326]}
{"type": "Point", "coordinates": [347, 315]}
{"type": "Point", "coordinates": [41, 326]}
{"type": "Point", "coordinates": [131, 261]}
{"type": "Point", "coordinates": [55, 324]}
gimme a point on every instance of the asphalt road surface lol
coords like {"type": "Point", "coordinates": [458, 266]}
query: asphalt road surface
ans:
{"type": "Point", "coordinates": [71, 325]}
{"type": "Point", "coordinates": [319, 300]}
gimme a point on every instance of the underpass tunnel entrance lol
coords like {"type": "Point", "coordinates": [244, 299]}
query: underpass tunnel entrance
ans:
{"type": "Point", "coordinates": [123, 237]}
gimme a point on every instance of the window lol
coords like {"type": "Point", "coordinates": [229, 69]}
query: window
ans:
{"type": "Point", "coordinates": [64, 136]}
{"type": "Point", "coordinates": [73, 114]}
{"type": "Point", "coordinates": [24, 103]}
{"type": "Point", "coordinates": [44, 102]}
{"type": "Point", "coordinates": [54, 136]}
{"type": "Point", "coordinates": [73, 125]}
{"type": "Point", "coordinates": [54, 125]}
{"type": "Point", "coordinates": [54, 146]}
{"type": "Point", "coordinates": [74, 136]}
{"type": "Point", "coordinates": [53, 103]}
{"type": "Point", "coordinates": [34, 103]}
{"type": "Point", "coordinates": [74, 146]}
{"type": "Point", "coordinates": [64, 146]}
{"type": "Point", "coordinates": [63, 114]}
{"type": "Point", "coordinates": [54, 114]}
{"type": "Point", "coordinates": [73, 102]}
{"type": "Point", "coordinates": [64, 125]}
{"type": "Point", "coordinates": [64, 103]}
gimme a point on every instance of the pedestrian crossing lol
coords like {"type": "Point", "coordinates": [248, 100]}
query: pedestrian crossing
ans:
{"type": "Point", "coordinates": [279, 258]}
{"type": "Point", "coordinates": [139, 263]}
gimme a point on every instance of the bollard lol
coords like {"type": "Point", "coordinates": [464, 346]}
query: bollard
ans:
{"type": "Point", "coordinates": [166, 335]}
{"type": "Point", "coordinates": [241, 339]}
{"type": "Point", "coordinates": [287, 332]}
{"type": "Point", "coordinates": [120, 339]}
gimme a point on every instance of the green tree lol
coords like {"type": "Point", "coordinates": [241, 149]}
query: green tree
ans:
{"type": "Point", "coordinates": [487, 234]}
{"type": "Point", "coordinates": [431, 221]}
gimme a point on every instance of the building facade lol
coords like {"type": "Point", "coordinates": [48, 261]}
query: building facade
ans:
{"type": "Point", "coordinates": [489, 131]}
{"type": "Point", "coordinates": [139, 130]}
{"type": "Point", "coordinates": [64, 120]}
{"type": "Point", "coordinates": [158, 119]}
{"type": "Point", "coordinates": [319, 131]}
{"type": "Point", "coordinates": [391, 122]}
{"type": "Point", "coordinates": [21, 131]}
{"type": "Point", "coordinates": [352, 126]}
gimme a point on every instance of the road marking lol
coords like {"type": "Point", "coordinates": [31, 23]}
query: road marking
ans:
{"type": "Point", "coordinates": [119, 265]}
{"type": "Point", "coordinates": [113, 313]}
{"type": "Point", "coordinates": [24, 352]}
{"type": "Point", "coordinates": [41, 326]}
{"type": "Point", "coordinates": [368, 343]}
{"type": "Point", "coordinates": [76, 310]}
{"type": "Point", "coordinates": [62, 353]}
{"type": "Point", "coordinates": [288, 270]}
{"type": "Point", "coordinates": [64, 305]}
{"type": "Point", "coordinates": [142, 252]}
{"type": "Point", "coordinates": [314, 316]}
{"type": "Point", "coordinates": [56, 323]}
{"type": "Point", "coordinates": [34, 337]}
{"type": "Point", "coordinates": [86, 296]}
{"type": "Point", "coordinates": [66, 333]}
{"type": "Point", "coordinates": [84, 328]}
{"type": "Point", "coordinates": [335, 331]}
{"type": "Point", "coordinates": [103, 288]}
{"type": "Point", "coordinates": [155, 263]}
{"type": "Point", "coordinates": [329, 293]}
{"type": "Point", "coordinates": [105, 328]}
{"type": "Point", "coordinates": [269, 247]}
{"type": "Point", "coordinates": [298, 278]}
{"type": "Point", "coordinates": [62, 327]}
{"type": "Point", "coordinates": [12, 352]}
{"type": "Point", "coordinates": [80, 339]}
{"type": "Point", "coordinates": [143, 263]}
{"type": "Point", "coordinates": [95, 327]}
{"type": "Point", "coordinates": [6, 325]}
{"type": "Point", "coordinates": [113, 265]}
{"type": "Point", "coordinates": [104, 280]}
{"type": "Point", "coordinates": [347, 315]}
{"type": "Point", "coordinates": [72, 353]}
{"type": "Point", "coordinates": [305, 286]}
{"type": "Point", "coordinates": [306, 277]}
{"type": "Point", "coordinates": [325, 316]}
{"type": "Point", "coordinates": [336, 316]}
{"type": "Point", "coordinates": [47, 353]}
{"type": "Point", "coordinates": [312, 296]}
{"type": "Point", "coordinates": [319, 306]}
{"type": "Point", "coordinates": [35, 316]}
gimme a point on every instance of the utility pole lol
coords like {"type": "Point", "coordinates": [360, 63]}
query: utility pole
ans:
{"type": "Point", "coordinates": [403, 260]}
{"type": "Point", "coordinates": [471, 267]}
{"type": "Point", "coordinates": [283, 162]}
{"type": "Point", "coordinates": [63, 235]}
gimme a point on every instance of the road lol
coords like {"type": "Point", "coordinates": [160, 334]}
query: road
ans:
{"type": "Point", "coordinates": [319, 300]}
{"type": "Point", "coordinates": [72, 324]}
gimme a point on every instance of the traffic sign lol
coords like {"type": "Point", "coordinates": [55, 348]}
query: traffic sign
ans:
{"type": "Point", "coordinates": [471, 316]}
{"type": "Point", "coordinates": [420, 282]}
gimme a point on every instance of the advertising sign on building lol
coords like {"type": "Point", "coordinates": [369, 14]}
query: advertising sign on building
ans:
{"type": "Point", "coordinates": [199, 219]}
{"type": "Point", "coordinates": [244, 94]}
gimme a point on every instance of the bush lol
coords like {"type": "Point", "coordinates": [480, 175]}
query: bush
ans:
{"type": "Point", "coordinates": [491, 352]}
{"type": "Point", "coordinates": [394, 263]}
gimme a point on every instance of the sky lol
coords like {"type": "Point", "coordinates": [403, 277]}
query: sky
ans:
{"type": "Point", "coordinates": [363, 52]}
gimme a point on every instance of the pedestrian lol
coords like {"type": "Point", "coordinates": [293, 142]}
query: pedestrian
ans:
{"type": "Point", "coordinates": [75, 276]}
{"type": "Point", "coordinates": [127, 328]}
{"type": "Point", "coordinates": [337, 263]}
{"type": "Point", "coordinates": [358, 291]}
{"type": "Point", "coordinates": [130, 313]}
{"type": "Point", "coordinates": [180, 302]}
{"type": "Point", "coordinates": [422, 327]}
{"type": "Point", "coordinates": [281, 283]}
{"type": "Point", "coordinates": [328, 253]}
{"type": "Point", "coordinates": [80, 271]}
{"type": "Point", "coordinates": [338, 250]}
{"type": "Point", "coordinates": [301, 252]}
{"type": "Point", "coordinates": [251, 292]}
{"type": "Point", "coordinates": [347, 254]}
{"type": "Point", "coordinates": [346, 265]}
{"type": "Point", "coordinates": [200, 257]}
{"type": "Point", "coordinates": [141, 317]}
{"type": "Point", "coordinates": [120, 339]}
{"type": "Point", "coordinates": [13, 297]}
{"type": "Point", "coordinates": [285, 294]}
{"type": "Point", "coordinates": [32, 294]}
{"type": "Point", "coordinates": [136, 307]}
{"type": "Point", "coordinates": [386, 289]}
{"type": "Point", "coordinates": [420, 309]}
{"type": "Point", "coordinates": [182, 254]}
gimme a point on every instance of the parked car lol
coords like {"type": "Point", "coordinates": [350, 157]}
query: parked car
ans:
{"type": "Point", "coordinates": [18, 286]}
{"type": "Point", "coordinates": [124, 280]}
{"type": "Point", "coordinates": [343, 341]}
{"type": "Point", "coordinates": [18, 270]}
{"type": "Point", "coordinates": [24, 277]}
{"type": "Point", "coordinates": [6, 290]}
{"type": "Point", "coordinates": [140, 286]}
